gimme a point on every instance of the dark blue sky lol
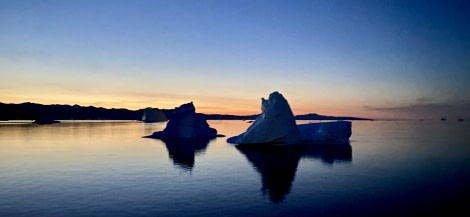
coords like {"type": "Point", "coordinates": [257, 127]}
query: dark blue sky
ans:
{"type": "Point", "coordinates": [364, 58]}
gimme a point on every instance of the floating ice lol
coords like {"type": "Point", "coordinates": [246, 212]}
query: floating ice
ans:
{"type": "Point", "coordinates": [337, 132]}
{"type": "Point", "coordinates": [153, 115]}
{"type": "Point", "coordinates": [185, 123]}
{"type": "Point", "coordinates": [276, 125]}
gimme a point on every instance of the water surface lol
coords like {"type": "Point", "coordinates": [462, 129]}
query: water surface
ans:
{"type": "Point", "coordinates": [76, 168]}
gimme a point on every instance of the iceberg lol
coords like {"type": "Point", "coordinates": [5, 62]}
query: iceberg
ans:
{"type": "Point", "coordinates": [276, 125]}
{"type": "Point", "coordinates": [184, 123]}
{"type": "Point", "coordinates": [337, 132]}
{"type": "Point", "coordinates": [152, 115]}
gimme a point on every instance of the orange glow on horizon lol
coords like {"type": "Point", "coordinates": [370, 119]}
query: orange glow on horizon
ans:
{"type": "Point", "coordinates": [204, 105]}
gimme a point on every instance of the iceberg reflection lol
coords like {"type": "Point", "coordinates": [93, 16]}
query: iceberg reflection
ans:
{"type": "Point", "coordinates": [329, 153]}
{"type": "Point", "coordinates": [277, 165]}
{"type": "Point", "coordinates": [183, 151]}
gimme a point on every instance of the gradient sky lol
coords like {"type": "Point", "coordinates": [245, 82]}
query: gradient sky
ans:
{"type": "Point", "coordinates": [378, 59]}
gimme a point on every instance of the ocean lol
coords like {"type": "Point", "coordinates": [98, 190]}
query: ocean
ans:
{"type": "Point", "coordinates": [106, 168]}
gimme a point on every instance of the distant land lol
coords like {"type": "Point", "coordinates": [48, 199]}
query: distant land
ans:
{"type": "Point", "coordinates": [33, 111]}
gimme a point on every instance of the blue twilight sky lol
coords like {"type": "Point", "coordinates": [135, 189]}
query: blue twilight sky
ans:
{"type": "Point", "coordinates": [379, 59]}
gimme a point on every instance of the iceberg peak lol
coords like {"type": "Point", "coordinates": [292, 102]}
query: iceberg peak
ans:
{"type": "Point", "coordinates": [276, 124]}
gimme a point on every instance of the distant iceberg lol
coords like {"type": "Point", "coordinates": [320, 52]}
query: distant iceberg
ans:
{"type": "Point", "coordinates": [152, 115]}
{"type": "Point", "coordinates": [276, 125]}
{"type": "Point", "coordinates": [186, 124]}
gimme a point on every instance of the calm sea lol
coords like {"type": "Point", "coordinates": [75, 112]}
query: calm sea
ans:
{"type": "Point", "coordinates": [390, 168]}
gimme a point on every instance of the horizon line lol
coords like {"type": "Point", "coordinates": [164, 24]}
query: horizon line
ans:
{"type": "Point", "coordinates": [310, 113]}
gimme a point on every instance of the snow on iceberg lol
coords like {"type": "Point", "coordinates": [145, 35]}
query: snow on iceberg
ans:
{"type": "Point", "coordinates": [276, 125]}
{"type": "Point", "coordinates": [186, 124]}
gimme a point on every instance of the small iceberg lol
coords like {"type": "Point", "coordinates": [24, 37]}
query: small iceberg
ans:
{"type": "Point", "coordinates": [184, 123]}
{"type": "Point", "coordinates": [276, 125]}
{"type": "Point", "coordinates": [152, 115]}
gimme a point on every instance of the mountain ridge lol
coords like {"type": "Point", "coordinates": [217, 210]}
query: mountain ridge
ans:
{"type": "Point", "coordinates": [33, 111]}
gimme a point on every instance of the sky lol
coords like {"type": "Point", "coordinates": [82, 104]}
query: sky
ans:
{"type": "Point", "coordinates": [376, 59]}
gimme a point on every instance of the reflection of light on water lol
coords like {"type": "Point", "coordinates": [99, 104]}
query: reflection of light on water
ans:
{"type": "Point", "coordinates": [229, 128]}
{"type": "Point", "coordinates": [149, 128]}
{"type": "Point", "coordinates": [104, 168]}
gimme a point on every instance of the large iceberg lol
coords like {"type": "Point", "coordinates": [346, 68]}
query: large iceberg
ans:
{"type": "Point", "coordinates": [276, 125]}
{"type": "Point", "coordinates": [184, 123]}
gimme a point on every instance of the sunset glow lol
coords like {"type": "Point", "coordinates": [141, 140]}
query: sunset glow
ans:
{"type": "Point", "coordinates": [373, 59]}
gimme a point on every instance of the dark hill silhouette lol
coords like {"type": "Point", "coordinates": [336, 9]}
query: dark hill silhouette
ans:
{"type": "Point", "coordinates": [311, 116]}
{"type": "Point", "coordinates": [229, 117]}
{"type": "Point", "coordinates": [33, 111]}
{"type": "Point", "coordinates": [314, 116]}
